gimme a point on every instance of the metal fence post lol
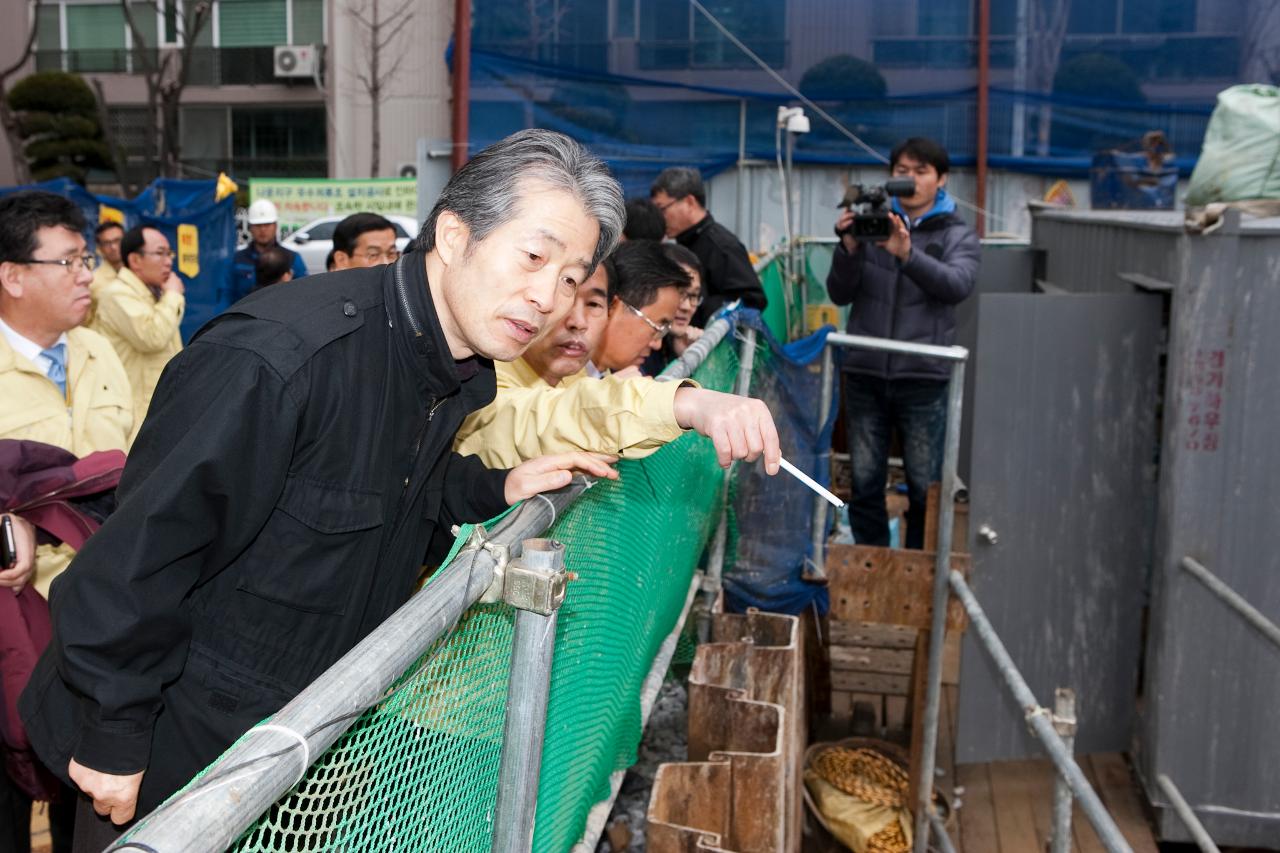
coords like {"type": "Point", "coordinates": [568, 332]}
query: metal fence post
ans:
{"type": "Point", "coordinates": [1184, 811]}
{"type": "Point", "coordinates": [534, 585]}
{"type": "Point", "coordinates": [712, 580]}
{"type": "Point", "coordinates": [941, 593]}
{"type": "Point", "coordinates": [1064, 723]}
{"type": "Point", "coordinates": [817, 569]}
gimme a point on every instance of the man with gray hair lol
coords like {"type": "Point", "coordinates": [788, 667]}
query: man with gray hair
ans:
{"type": "Point", "coordinates": [727, 273]}
{"type": "Point", "coordinates": [291, 471]}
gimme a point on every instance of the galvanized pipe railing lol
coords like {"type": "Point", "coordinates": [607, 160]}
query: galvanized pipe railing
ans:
{"type": "Point", "coordinates": [942, 561]}
{"type": "Point", "coordinates": [1269, 631]}
{"type": "Point", "coordinates": [274, 756]}
{"type": "Point", "coordinates": [1187, 815]}
{"type": "Point", "coordinates": [1234, 600]}
{"type": "Point", "coordinates": [1040, 721]}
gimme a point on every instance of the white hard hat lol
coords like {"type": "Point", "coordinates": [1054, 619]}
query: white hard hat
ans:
{"type": "Point", "coordinates": [263, 212]}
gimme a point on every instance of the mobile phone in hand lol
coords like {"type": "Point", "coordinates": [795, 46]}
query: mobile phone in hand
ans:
{"type": "Point", "coordinates": [8, 545]}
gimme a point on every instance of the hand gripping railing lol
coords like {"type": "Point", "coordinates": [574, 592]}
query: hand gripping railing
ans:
{"type": "Point", "coordinates": [274, 756]}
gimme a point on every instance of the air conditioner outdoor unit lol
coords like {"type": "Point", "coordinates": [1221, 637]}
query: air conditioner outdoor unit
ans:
{"type": "Point", "coordinates": [295, 60]}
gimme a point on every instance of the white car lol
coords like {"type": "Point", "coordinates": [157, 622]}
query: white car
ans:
{"type": "Point", "coordinates": [314, 240]}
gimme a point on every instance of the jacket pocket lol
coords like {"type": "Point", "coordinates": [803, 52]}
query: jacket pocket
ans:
{"type": "Point", "coordinates": [318, 537]}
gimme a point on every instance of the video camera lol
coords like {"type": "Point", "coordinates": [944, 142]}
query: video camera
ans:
{"type": "Point", "coordinates": [872, 223]}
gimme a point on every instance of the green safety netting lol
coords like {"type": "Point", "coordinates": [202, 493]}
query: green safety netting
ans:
{"type": "Point", "coordinates": [784, 313]}
{"type": "Point", "coordinates": [419, 771]}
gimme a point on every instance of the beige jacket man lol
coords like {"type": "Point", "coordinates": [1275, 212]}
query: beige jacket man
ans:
{"type": "Point", "coordinates": [143, 331]}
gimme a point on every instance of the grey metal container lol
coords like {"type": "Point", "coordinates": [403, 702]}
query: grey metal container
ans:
{"type": "Point", "coordinates": [1211, 688]}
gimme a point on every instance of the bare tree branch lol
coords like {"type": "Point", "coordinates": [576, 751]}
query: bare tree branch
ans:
{"type": "Point", "coordinates": [9, 121]}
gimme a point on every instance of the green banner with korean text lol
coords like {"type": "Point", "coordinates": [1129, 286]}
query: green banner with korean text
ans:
{"type": "Point", "coordinates": [301, 200]}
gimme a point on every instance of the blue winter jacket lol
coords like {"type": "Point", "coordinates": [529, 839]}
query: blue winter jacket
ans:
{"type": "Point", "coordinates": [912, 301]}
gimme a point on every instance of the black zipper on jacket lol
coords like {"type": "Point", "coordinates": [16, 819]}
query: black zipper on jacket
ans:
{"type": "Point", "coordinates": [402, 294]}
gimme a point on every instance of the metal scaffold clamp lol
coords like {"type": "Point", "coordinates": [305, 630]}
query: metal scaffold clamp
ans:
{"type": "Point", "coordinates": [536, 580]}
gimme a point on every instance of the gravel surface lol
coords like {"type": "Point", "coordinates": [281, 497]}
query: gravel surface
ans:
{"type": "Point", "coordinates": [666, 739]}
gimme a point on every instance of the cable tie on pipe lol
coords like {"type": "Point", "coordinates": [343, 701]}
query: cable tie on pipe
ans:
{"type": "Point", "coordinates": [306, 747]}
{"type": "Point", "coordinates": [549, 504]}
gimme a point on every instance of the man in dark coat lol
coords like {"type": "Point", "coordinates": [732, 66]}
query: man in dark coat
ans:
{"type": "Point", "coordinates": [727, 273]}
{"type": "Point", "coordinates": [291, 471]}
{"type": "Point", "coordinates": [905, 288]}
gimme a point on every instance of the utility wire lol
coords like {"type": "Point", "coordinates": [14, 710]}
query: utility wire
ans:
{"type": "Point", "coordinates": [826, 116]}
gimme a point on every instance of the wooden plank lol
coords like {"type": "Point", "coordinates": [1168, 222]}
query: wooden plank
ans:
{"type": "Point", "coordinates": [1014, 812]}
{"type": "Point", "coordinates": [895, 714]}
{"type": "Point", "coordinates": [1086, 839]}
{"type": "Point", "coordinates": [1035, 779]}
{"type": "Point", "coordinates": [870, 682]}
{"type": "Point", "coordinates": [959, 528]}
{"type": "Point", "coordinates": [946, 752]}
{"type": "Point", "coordinates": [887, 585]}
{"type": "Point", "coordinates": [977, 811]}
{"type": "Point", "coordinates": [841, 704]}
{"type": "Point", "coordinates": [919, 680]}
{"type": "Point", "coordinates": [951, 658]}
{"type": "Point", "coordinates": [870, 659]}
{"type": "Point", "coordinates": [871, 634]}
{"type": "Point", "coordinates": [1119, 792]}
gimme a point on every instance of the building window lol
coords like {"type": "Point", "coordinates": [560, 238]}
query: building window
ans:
{"type": "Point", "coordinates": [674, 35]}
{"type": "Point", "coordinates": [279, 141]}
{"type": "Point", "coordinates": [943, 18]}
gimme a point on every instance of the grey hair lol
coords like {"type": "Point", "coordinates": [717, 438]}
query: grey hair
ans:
{"type": "Point", "coordinates": [680, 181]}
{"type": "Point", "coordinates": [484, 191]}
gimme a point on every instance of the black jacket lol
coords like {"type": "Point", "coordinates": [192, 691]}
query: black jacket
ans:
{"type": "Point", "coordinates": [726, 269]}
{"type": "Point", "coordinates": [275, 509]}
{"type": "Point", "coordinates": [913, 301]}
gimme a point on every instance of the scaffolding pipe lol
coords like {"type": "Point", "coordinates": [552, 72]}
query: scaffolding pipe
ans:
{"type": "Point", "coordinates": [1064, 723]}
{"type": "Point", "coordinates": [940, 833]}
{"type": "Point", "coordinates": [886, 345]}
{"type": "Point", "coordinates": [697, 352]}
{"type": "Point", "coordinates": [1039, 721]}
{"type": "Point", "coordinates": [938, 625]}
{"type": "Point", "coordinates": [817, 568]}
{"type": "Point", "coordinates": [1234, 600]}
{"type": "Point", "coordinates": [1188, 816]}
{"type": "Point", "coordinates": [740, 212]}
{"type": "Point", "coordinates": [533, 646]}
{"type": "Point", "coordinates": [713, 579]}
{"type": "Point", "coordinates": [269, 760]}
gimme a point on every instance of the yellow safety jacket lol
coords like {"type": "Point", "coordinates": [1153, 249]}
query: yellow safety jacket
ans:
{"type": "Point", "coordinates": [143, 331]}
{"type": "Point", "coordinates": [627, 417]}
{"type": "Point", "coordinates": [96, 414]}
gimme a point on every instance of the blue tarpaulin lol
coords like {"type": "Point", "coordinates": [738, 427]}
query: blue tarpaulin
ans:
{"type": "Point", "coordinates": [166, 204]}
{"type": "Point", "coordinates": [773, 515]}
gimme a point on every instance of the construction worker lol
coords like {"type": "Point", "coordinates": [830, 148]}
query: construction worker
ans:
{"type": "Point", "coordinates": [264, 231]}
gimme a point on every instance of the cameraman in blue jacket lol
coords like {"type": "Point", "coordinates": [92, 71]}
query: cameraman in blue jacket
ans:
{"type": "Point", "coordinates": [905, 288]}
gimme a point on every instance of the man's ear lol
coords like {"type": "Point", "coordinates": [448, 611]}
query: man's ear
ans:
{"type": "Point", "coordinates": [341, 260]}
{"type": "Point", "coordinates": [942, 180]}
{"type": "Point", "coordinates": [452, 237]}
{"type": "Point", "coordinates": [11, 278]}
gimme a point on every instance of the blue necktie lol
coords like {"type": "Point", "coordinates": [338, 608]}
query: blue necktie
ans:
{"type": "Point", "coordinates": [57, 372]}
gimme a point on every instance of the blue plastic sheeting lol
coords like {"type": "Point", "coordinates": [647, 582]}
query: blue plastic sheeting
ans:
{"type": "Point", "coordinates": [166, 204]}
{"type": "Point", "coordinates": [773, 515]}
{"type": "Point", "coordinates": [651, 83]}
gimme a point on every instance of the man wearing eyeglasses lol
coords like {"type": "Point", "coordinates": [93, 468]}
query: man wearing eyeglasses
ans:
{"type": "Point", "coordinates": [140, 312]}
{"type": "Point", "coordinates": [364, 240]}
{"type": "Point", "coordinates": [60, 384]}
{"type": "Point", "coordinates": [727, 272]}
{"type": "Point", "coordinates": [548, 402]}
{"type": "Point", "coordinates": [642, 306]}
